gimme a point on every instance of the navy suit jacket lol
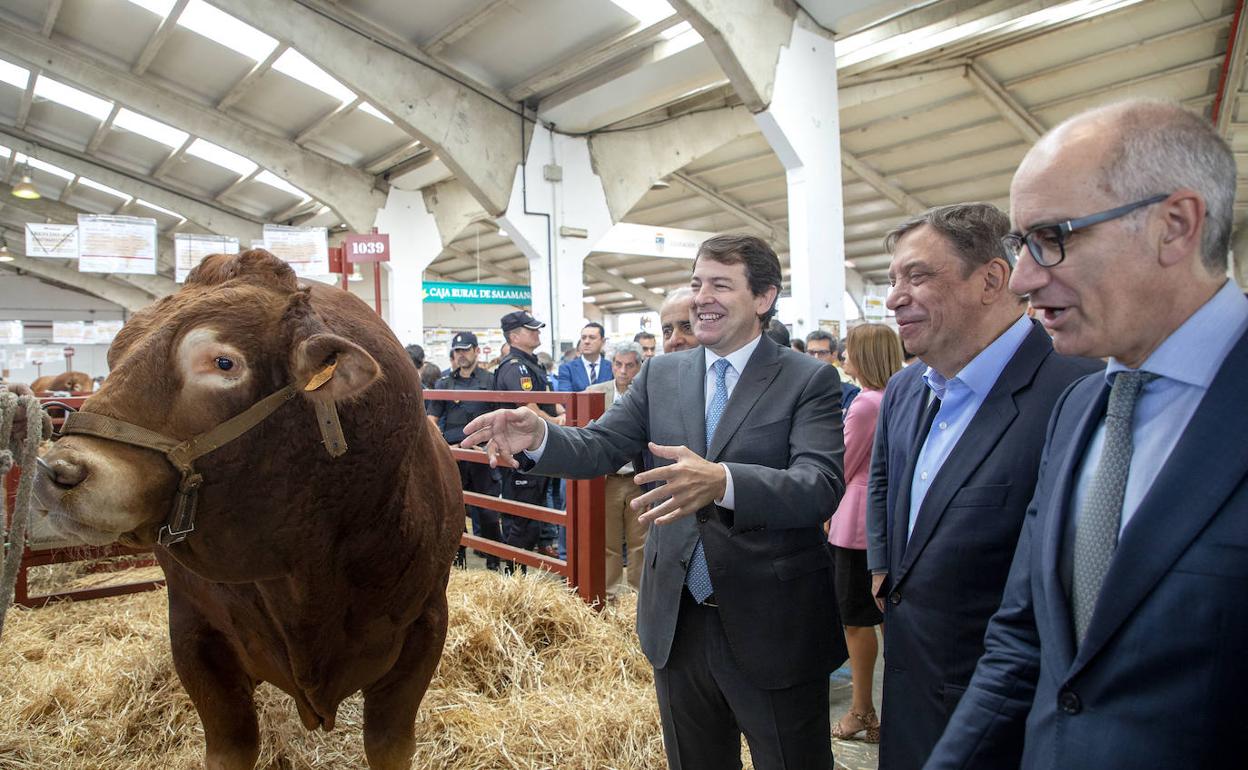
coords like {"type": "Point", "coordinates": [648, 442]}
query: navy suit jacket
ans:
{"type": "Point", "coordinates": [1160, 679]}
{"type": "Point", "coordinates": [946, 582]}
{"type": "Point", "coordinates": [573, 378]}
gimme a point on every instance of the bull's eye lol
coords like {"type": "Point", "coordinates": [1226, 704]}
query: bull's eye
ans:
{"type": "Point", "coordinates": [224, 364]}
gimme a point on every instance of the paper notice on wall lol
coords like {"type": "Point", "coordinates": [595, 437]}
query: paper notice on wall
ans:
{"type": "Point", "coordinates": [105, 331]}
{"type": "Point", "coordinates": [69, 332]}
{"type": "Point", "coordinates": [111, 244]}
{"type": "Point", "coordinates": [44, 354]}
{"type": "Point", "coordinates": [51, 241]}
{"type": "Point", "coordinates": [189, 249]}
{"type": "Point", "coordinates": [17, 359]}
{"type": "Point", "coordinates": [11, 333]}
{"type": "Point", "coordinates": [306, 249]}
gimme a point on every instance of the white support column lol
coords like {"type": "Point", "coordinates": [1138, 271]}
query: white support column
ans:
{"type": "Point", "coordinates": [537, 211]}
{"type": "Point", "coordinates": [802, 126]}
{"type": "Point", "coordinates": [414, 244]}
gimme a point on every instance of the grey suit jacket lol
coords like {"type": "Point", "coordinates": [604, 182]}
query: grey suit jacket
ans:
{"type": "Point", "coordinates": [780, 436]}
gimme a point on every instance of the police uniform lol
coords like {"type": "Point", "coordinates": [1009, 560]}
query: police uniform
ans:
{"type": "Point", "coordinates": [452, 416]}
{"type": "Point", "coordinates": [521, 371]}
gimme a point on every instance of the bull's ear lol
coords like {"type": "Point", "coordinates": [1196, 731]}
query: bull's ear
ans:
{"type": "Point", "coordinates": [327, 366]}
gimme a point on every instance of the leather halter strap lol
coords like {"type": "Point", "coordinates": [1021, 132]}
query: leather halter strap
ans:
{"type": "Point", "coordinates": [182, 455]}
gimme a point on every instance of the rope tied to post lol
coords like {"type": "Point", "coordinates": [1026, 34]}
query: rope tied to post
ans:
{"type": "Point", "coordinates": [20, 451]}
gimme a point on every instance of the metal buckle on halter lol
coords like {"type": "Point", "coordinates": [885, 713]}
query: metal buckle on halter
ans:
{"type": "Point", "coordinates": [181, 521]}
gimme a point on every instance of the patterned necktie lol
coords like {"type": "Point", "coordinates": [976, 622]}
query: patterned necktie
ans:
{"type": "Point", "coordinates": [1096, 531]}
{"type": "Point", "coordinates": [593, 373]}
{"type": "Point", "coordinates": [698, 578]}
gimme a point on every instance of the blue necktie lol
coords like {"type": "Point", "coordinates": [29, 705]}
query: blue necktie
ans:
{"type": "Point", "coordinates": [698, 578]}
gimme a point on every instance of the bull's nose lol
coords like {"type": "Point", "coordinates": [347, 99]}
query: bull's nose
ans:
{"type": "Point", "coordinates": [63, 472]}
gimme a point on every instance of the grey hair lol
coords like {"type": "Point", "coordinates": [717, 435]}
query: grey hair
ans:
{"type": "Point", "coordinates": [626, 348]}
{"type": "Point", "coordinates": [974, 230]}
{"type": "Point", "coordinates": [1163, 147]}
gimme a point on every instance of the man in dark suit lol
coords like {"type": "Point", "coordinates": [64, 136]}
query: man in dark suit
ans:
{"type": "Point", "coordinates": [954, 462]}
{"type": "Point", "coordinates": [736, 612]}
{"type": "Point", "coordinates": [1120, 639]}
{"type": "Point", "coordinates": [590, 367]}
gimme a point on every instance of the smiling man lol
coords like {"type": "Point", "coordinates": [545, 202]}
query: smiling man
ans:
{"type": "Point", "coordinates": [954, 463]}
{"type": "Point", "coordinates": [1119, 642]}
{"type": "Point", "coordinates": [736, 612]}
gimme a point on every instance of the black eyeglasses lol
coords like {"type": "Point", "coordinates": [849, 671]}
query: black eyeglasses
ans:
{"type": "Point", "coordinates": [1047, 243]}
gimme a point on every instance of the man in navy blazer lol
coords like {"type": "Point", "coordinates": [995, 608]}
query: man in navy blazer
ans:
{"type": "Point", "coordinates": [956, 451]}
{"type": "Point", "coordinates": [575, 375]}
{"type": "Point", "coordinates": [1120, 640]}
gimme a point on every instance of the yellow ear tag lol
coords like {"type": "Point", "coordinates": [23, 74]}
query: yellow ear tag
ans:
{"type": "Point", "coordinates": [321, 377]}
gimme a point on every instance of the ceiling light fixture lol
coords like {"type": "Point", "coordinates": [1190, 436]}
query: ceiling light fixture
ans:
{"type": "Point", "coordinates": [5, 256]}
{"type": "Point", "coordinates": [25, 189]}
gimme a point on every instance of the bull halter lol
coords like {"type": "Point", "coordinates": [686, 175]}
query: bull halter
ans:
{"type": "Point", "coordinates": [183, 454]}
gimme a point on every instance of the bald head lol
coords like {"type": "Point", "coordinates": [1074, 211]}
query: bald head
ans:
{"type": "Point", "coordinates": [676, 320]}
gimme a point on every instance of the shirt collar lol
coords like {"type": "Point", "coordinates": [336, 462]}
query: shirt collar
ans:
{"type": "Point", "coordinates": [736, 359]}
{"type": "Point", "coordinates": [1194, 352]}
{"type": "Point", "coordinates": [983, 370]}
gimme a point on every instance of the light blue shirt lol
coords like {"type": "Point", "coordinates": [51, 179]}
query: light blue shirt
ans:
{"type": "Point", "coordinates": [960, 398]}
{"type": "Point", "coordinates": [1186, 363]}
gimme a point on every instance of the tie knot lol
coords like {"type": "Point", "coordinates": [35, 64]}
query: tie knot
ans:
{"type": "Point", "coordinates": [1133, 380]}
{"type": "Point", "coordinates": [720, 368]}
{"type": "Point", "coordinates": [1125, 390]}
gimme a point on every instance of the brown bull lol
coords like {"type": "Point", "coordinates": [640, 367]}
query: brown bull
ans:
{"type": "Point", "coordinates": [65, 382]}
{"type": "Point", "coordinates": [322, 575]}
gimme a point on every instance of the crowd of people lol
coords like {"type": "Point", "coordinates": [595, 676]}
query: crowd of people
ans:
{"type": "Point", "coordinates": [1031, 484]}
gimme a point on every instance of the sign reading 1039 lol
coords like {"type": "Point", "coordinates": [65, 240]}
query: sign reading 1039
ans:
{"type": "Point", "coordinates": [371, 247]}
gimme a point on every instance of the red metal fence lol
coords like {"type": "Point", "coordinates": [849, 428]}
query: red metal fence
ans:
{"type": "Point", "coordinates": [584, 569]}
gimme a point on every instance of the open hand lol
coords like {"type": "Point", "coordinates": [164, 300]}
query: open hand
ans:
{"type": "Point", "coordinates": [505, 432]}
{"type": "Point", "coordinates": [687, 485]}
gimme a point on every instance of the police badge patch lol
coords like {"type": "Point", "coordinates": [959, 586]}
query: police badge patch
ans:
{"type": "Point", "coordinates": [526, 383]}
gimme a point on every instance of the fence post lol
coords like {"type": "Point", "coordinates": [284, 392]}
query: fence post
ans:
{"type": "Point", "coordinates": [590, 516]}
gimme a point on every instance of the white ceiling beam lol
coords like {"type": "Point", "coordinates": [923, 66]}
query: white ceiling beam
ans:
{"type": "Point", "coordinates": [1004, 102]}
{"type": "Point", "coordinates": [1228, 95]}
{"type": "Point", "coordinates": [349, 191]}
{"type": "Point", "coordinates": [69, 188]}
{"type": "Point", "coordinates": [28, 98]}
{"type": "Point", "coordinates": [746, 37]}
{"type": "Point", "coordinates": [1119, 89]}
{"type": "Point", "coordinates": [474, 134]}
{"type": "Point", "coordinates": [172, 158]}
{"type": "Point", "coordinates": [564, 72]}
{"type": "Point", "coordinates": [212, 218]}
{"type": "Point", "coordinates": [390, 157]}
{"type": "Point", "coordinates": [710, 193]}
{"type": "Point", "coordinates": [49, 18]}
{"type": "Point", "coordinates": [237, 184]}
{"type": "Point", "coordinates": [131, 299]}
{"type": "Point", "coordinates": [652, 300]}
{"type": "Point", "coordinates": [488, 265]}
{"type": "Point", "coordinates": [462, 27]}
{"type": "Point", "coordinates": [327, 120]}
{"type": "Point", "coordinates": [904, 200]}
{"type": "Point", "coordinates": [294, 209]}
{"type": "Point", "coordinates": [159, 38]}
{"type": "Point", "coordinates": [240, 89]}
{"type": "Point", "coordinates": [101, 131]}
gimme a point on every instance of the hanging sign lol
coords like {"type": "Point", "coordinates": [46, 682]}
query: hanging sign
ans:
{"type": "Point", "coordinates": [477, 293]}
{"type": "Point", "coordinates": [189, 249]}
{"type": "Point", "coordinates": [370, 247]}
{"type": "Point", "coordinates": [49, 241]}
{"type": "Point", "coordinates": [112, 244]}
{"type": "Point", "coordinates": [11, 333]}
{"type": "Point", "coordinates": [873, 308]}
{"type": "Point", "coordinates": [69, 332]}
{"type": "Point", "coordinates": [648, 241]}
{"type": "Point", "coordinates": [305, 249]}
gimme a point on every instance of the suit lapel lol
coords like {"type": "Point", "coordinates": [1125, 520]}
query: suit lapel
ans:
{"type": "Point", "coordinates": [1174, 510]}
{"type": "Point", "coordinates": [692, 400]}
{"type": "Point", "coordinates": [988, 424]}
{"type": "Point", "coordinates": [1054, 517]}
{"type": "Point", "coordinates": [760, 370]}
{"type": "Point", "coordinates": [912, 406]}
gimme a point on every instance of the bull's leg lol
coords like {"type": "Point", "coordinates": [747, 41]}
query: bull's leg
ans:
{"type": "Point", "coordinates": [222, 693]}
{"type": "Point", "coordinates": [390, 705]}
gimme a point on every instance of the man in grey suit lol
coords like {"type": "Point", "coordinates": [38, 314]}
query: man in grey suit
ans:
{"type": "Point", "coordinates": [737, 611]}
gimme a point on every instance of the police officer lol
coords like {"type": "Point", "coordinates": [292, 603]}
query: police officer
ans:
{"type": "Point", "coordinates": [452, 416]}
{"type": "Point", "coordinates": [520, 370]}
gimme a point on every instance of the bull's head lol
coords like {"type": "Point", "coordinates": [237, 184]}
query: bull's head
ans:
{"type": "Point", "coordinates": [241, 329]}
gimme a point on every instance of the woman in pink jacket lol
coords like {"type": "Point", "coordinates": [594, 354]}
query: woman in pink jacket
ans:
{"type": "Point", "coordinates": [872, 355]}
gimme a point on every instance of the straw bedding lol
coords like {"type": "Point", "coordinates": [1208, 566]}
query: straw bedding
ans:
{"type": "Point", "coordinates": [530, 678]}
